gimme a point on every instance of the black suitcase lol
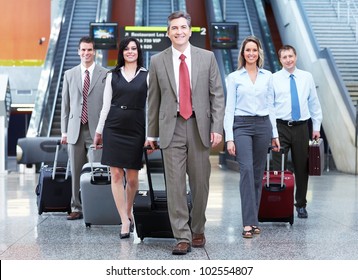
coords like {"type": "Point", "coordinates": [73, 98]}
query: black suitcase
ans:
{"type": "Point", "coordinates": [54, 188]}
{"type": "Point", "coordinates": [150, 207]}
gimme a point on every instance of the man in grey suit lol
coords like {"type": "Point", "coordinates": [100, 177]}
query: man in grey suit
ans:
{"type": "Point", "coordinates": [80, 114]}
{"type": "Point", "coordinates": [185, 141]}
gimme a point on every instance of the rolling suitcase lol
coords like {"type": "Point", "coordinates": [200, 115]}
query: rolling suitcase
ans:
{"type": "Point", "coordinates": [54, 188]}
{"type": "Point", "coordinates": [316, 157]}
{"type": "Point", "coordinates": [277, 199]}
{"type": "Point", "coordinates": [98, 204]}
{"type": "Point", "coordinates": [150, 207]}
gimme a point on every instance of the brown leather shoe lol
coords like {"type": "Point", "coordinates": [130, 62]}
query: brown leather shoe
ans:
{"type": "Point", "coordinates": [75, 216]}
{"type": "Point", "coordinates": [198, 240]}
{"type": "Point", "coordinates": [181, 248]}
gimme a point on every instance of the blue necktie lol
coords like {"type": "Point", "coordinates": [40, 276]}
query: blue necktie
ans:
{"type": "Point", "coordinates": [295, 104]}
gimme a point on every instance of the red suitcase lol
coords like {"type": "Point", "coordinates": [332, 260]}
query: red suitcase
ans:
{"type": "Point", "coordinates": [316, 157]}
{"type": "Point", "coordinates": [277, 199]}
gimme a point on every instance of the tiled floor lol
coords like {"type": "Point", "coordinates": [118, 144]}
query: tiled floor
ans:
{"type": "Point", "coordinates": [330, 232]}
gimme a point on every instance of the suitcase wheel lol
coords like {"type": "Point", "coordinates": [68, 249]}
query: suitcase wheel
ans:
{"type": "Point", "coordinates": [291, 220]}
{"type": "Point", "coordinates": [40, 209]}
{"type": "Point", "coordinates": [88, 225]}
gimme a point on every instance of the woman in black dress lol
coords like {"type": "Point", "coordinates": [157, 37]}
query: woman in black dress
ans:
{"type": "Point", "coordinates": [121, 128]}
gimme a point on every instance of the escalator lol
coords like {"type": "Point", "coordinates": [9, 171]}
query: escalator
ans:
{"type": "Point", "coordinates": [252, 21]}
{"type": "Point", "coordinates": [84, 12]}
{"type": "Point", "coordinates": [77, 15]}
{"type": "Point", "coordinates": [155, 13]}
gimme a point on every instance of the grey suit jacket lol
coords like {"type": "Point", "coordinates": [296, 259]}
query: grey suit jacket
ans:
{"type": "Point", "coordinates": [207, 96]}
{"type": "Point", "coordinates": [71, 108]}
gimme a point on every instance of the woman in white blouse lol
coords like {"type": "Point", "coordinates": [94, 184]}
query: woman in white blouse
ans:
{"type": "Point", "coordinates": [250, 127]}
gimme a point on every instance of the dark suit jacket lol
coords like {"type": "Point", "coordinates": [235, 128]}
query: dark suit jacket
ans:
{"type": "Point", "coordinates": [207, 95]}
{"type": "Point", "coordinates": [72, 100]}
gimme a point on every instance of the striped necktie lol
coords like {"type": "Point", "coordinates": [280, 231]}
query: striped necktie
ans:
{"type": "Point", "coordinates": [86, 85]}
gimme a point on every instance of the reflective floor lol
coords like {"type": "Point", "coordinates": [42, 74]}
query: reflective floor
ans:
{"type": "Point", "coordinates": [329, 233]}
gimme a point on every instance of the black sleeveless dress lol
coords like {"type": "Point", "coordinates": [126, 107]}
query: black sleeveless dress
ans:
{"type": "Point", "coordinates": [124, 129]}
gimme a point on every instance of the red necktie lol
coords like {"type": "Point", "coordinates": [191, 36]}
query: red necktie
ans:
{"type": "Point", "coordinates": [185, 107]}
{"type": "Point", "coordinates": [86, 84]}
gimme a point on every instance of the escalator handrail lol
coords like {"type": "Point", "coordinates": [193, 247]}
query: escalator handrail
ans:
{"type": "Point", "coordinates": [248, 18]}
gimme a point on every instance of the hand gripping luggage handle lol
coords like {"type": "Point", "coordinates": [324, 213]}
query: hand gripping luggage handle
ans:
{"type": "Point", "coordinates": [91, 159]}
{"type": "Point", "coordinates": [315, 141]}
{"type": "Point", "coordinates": [58, 144]}
{"type": "Point", "coordinates": [268, 166]}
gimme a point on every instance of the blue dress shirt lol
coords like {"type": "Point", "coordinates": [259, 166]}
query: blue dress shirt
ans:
{"type": "Point", "coordinates": [307, 95]}
{"type": "Point", "coordinates": [245, 98]}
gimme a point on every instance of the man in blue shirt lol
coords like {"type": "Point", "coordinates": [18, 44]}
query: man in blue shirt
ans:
{"type": "Point", "coordinates": [292, 121]}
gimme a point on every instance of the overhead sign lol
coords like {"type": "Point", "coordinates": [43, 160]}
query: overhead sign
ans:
{"type": "Point", "coordinates": [154, 38]}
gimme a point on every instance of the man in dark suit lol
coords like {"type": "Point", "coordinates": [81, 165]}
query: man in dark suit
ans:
{"type": "Point", "coordinates": [185, 140]}
{"type": "Point", "coordinates": [80, 114]}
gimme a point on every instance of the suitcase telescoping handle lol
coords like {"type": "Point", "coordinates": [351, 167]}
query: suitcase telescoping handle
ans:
{"type": "Point", "coordinates": [268, 166]}
{"type": "Point", "coordinates": [58, 145]}
{"type": "Point", "coordinates": [91, 159]}
{"type": "Point", "coordinates": [149, 174]}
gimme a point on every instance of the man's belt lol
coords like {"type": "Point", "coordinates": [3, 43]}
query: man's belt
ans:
{"type": "Point", "coordinates": [291, 123]}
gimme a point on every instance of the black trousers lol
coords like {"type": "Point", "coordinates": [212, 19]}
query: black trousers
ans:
{"type": "Point", "coordinates": [295, 138]}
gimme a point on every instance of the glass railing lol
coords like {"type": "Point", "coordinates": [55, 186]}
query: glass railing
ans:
{"type": "Point", "coordinates": [347, 10]}
{"type": "Point", "coordinates": [46, 73]}
{"type": "Point", "coordinates": [325, 53]}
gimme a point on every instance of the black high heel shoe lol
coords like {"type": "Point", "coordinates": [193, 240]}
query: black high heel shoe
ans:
{"type": "Point", "coordinates": [131, 226]}
{"type": "Point", "coordinates": [124, 235]}
{"type": "Point", "coordinates": [127, 234]}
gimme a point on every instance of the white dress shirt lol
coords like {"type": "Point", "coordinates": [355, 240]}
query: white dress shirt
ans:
{"type": "Point", "coordinates": [90, 70]}
{"type": "Point", "coordinates": [176, 65]}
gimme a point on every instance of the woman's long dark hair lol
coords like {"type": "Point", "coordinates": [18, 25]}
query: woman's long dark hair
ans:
{"type": "Point", "coordinates": [123, 44]}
